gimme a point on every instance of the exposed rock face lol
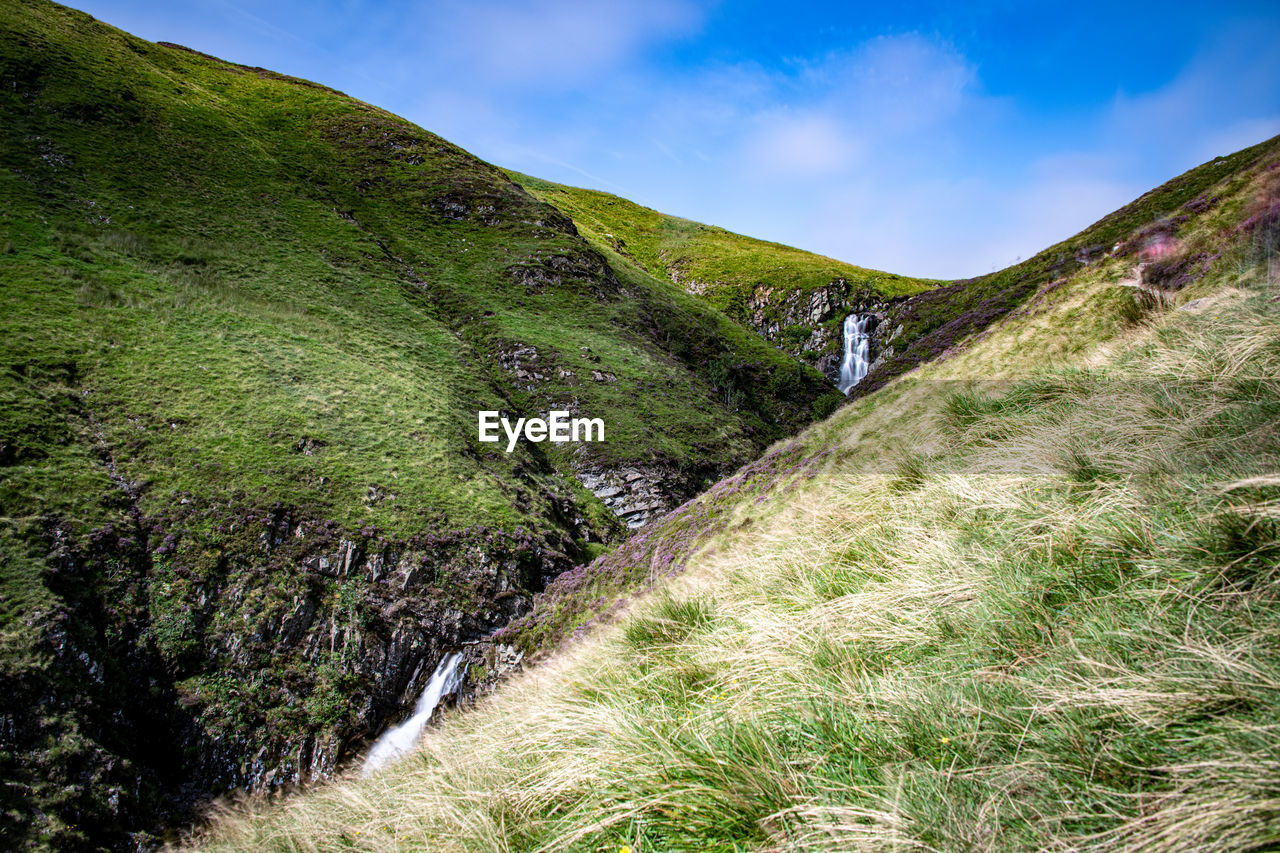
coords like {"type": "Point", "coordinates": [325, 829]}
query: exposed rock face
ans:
{"type": "Point", "coordinates": [378, 614]}
{"type": "Point", "coordinates": [772, 310]}
{"type": "Point", "coordinates": [487, 663]}
{"type": "Point", "coordinates": [885, 331]}
{"type": "Point", "coordinates": [636, 494]}
{"type": "Point", "coordinates": [583, 269]}
{"type": "Point", "coordinates": [808, 324]}
{"type": "Point", "coordinates": [266, 656]}
{"type": "Point", "coordinates": [522, 362]}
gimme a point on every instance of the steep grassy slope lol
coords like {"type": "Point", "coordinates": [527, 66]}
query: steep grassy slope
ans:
{"type": "Point", "coordinates": [1049, 326]}
{"type": "Point", "coordinates": [1025, 598]}
{"type": "Point", "coordinates": [247, 325]}
{"type": "Point", "coordinates": [204, 209]}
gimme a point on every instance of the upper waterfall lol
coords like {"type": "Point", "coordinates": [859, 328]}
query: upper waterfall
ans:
{"type": "Point", "coordinates": [857, 351]}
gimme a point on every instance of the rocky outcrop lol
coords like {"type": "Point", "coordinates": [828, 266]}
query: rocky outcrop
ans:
{"type": "Point", "coordinates": [636, 494]}
{"type": "Point", "coordinates": [584, 269]}
{"type": "Point", "coordinates": [525, 367]}
{"type": "Point", "coordinates": [371, 617]}
{"type": "Point", "coordinates": [486, 664]}
{"type": "Point", "coordinates": [884, 332]}
{"type": "Point", "coordinates": [808, 323]}
{"type": "Point", "coordinates": [629, 493]}
{"type": "Point", "coordinates": [773, 309]}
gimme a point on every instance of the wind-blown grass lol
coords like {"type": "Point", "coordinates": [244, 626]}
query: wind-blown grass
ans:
{"type": "Point", "coordinates": [1055, 629]}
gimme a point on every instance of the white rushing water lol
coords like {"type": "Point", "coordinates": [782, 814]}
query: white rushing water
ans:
{"type": "Point", "coordinates": [396, 741]}
{"type": "Point", "coordinates": [857, 351]}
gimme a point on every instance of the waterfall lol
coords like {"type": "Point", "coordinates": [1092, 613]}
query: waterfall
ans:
{"type": "Point", "coordinates": [398, 740]}
{"type": "Point", "coordinates": [857, 351]}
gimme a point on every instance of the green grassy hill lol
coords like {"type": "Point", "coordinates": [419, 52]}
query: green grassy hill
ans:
{"type": "Point", "coordinates": [247, 325]}
{"type": "Point", "coordinates": [929, 325]}
{"type": "Point", "coordinates": [1021, 598]}
{"type": "Point", "coordinates": [798, 302]}
{"type": "Point", "coordinates": [723, 267]}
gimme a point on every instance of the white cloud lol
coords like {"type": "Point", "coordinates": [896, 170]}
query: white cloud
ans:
{"type": "Point", "coordinates": [800, 145]}
{"type": "Point", "coordinates": [543, 44]}
{"type": "Point", "coordinates": [1226, 98]}
{"type": "Point", "coordinates": [956, 227]}
{"type": "Point", "coordinates": [812, 122]}
{"type": "Point", "coordinates": [896, 84]}
{"type": "Point", "coordinates": [1234, 136]}
{"type": "Point", "coordinates": [883, 156]}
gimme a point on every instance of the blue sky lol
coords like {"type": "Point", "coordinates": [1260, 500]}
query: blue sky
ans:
{"type": "Point", "coordinates": [929, 138]}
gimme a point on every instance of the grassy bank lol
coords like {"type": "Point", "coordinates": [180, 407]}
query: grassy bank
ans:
{"type": "Point", "coordinates": [1033, 613]}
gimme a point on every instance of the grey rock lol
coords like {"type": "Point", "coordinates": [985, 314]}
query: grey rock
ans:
{"type": "Point", "coordinates": [638, 494]}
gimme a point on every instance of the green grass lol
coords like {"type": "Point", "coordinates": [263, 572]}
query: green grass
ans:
{"type": "Point", "coordinates": [239, 287]}
{"type": "Point", "coordinates": [1195, 211]}
{"type": "Point", "coordinates": [1058, 328]}
{"type": "Point", "coordinates": [728, 270]}
{"type": "Point", "coordinates": [1008, 661]}
{"type": "Point", "coordinates": [233, 299]}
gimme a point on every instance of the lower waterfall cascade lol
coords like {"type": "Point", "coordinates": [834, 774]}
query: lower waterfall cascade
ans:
{"type": "Point", "coordinates": [399, 740]}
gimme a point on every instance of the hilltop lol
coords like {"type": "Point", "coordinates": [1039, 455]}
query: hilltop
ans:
{"type": "Point", "coordinates": [794, 299]}
{"type": "Point", "coordinates": [798, 301]}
